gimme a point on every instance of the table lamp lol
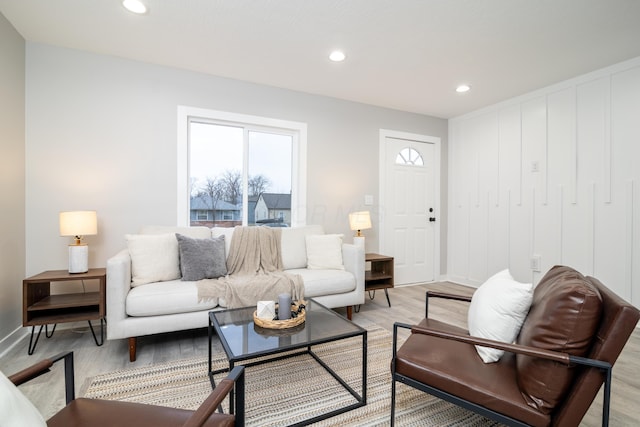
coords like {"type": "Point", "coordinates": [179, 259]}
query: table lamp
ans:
{"type": "Point", "coordinates": [78, 224]}
{"type": "Point", "coordinates": [359, 221]}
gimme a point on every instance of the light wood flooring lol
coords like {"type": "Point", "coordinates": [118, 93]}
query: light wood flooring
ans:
{"type": "Point", "coordinates": [47, 392]}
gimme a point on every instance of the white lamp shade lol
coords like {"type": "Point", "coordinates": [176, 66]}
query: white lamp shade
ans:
{"type": "Point", "coordinates": [360, 220]}
{"type": "Point", "coordinates": [78, 223]}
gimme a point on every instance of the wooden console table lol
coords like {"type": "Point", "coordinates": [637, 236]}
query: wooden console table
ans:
{"type": "Point", "coordinates": [40, 308]}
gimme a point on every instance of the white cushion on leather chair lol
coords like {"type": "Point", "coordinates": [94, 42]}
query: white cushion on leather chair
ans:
{"type": "Point", "coordinates": [15, 409]}
{"type": "Point", "coordinates": [498, 308]}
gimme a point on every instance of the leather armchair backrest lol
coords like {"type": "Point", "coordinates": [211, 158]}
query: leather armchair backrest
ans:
{"type": "Point", "coordinates": [618, 321]}
{"type": "Point", "coordinates": [564, 316]}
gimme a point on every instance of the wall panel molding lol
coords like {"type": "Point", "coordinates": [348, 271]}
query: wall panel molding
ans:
{"type": "Point", "coordinates": [580, 208]}
{"type": "Point", "coordinates": [574, 148]}
{"type": "Point", "coordinates": [629, 247]}
{"type": "Point", "coordinates": [606, 158]}
{"type": "Point", "coordinates": [560, 222]}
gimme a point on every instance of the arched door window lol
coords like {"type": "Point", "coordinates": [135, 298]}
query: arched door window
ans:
{"type": "Point", "coordinates": [410, 157]}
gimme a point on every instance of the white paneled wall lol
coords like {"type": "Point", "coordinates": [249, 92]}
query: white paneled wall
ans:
{"type": "Point", "coordinates": [553, 174]}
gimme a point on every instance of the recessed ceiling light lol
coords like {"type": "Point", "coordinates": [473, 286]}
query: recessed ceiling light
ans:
{"type": "Point", "coordinates": [135, 6]}
{"type": "Point", "coordinates": [337, 56]}
{"type": "Point", "coordinates": [463, 88]}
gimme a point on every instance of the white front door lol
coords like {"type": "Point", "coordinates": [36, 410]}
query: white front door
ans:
{"type": "Point", "coordinates": [408, 205]}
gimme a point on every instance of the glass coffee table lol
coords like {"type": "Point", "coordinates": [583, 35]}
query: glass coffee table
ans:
{"type": "Point", "coordinates": [243, 341]}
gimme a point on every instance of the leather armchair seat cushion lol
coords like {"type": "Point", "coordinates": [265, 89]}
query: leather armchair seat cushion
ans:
{"type": "Point", "coordinates": [564, 316]}
{"type": "Point", "coordinates": [456, 368]}
{"type": "Point", "coordinates": [98, 413]}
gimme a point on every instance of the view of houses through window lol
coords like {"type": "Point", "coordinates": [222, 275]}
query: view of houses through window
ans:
{"type": "Point", "coordinates": [239, 174]}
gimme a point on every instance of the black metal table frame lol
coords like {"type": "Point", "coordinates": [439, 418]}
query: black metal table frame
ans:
{"type": "Point", "coordinates": [361, 400]}
{"type": "Point", "coordinates": [32, 343]}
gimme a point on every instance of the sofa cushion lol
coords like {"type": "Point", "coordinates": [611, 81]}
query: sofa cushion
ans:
{"type": "Point", "coordinates": [198, 232]}
{"type": "Point", "coordinates": [324, 251]}
{"type": "Point", "coordinates": [171, 297]}
{"type": "Point", "coordinates": [294, 246]}
{"type": "Point", "coordinates": [498, 308]}
{"type": "Point", "coordinates": [325, 282]}
{"type": "Point", "coordinates": [227, 232]}
{"type": "Point", "coordinates": [154, 258]}
{"type": "Point", "coordinates": [201, 258]}
{"type": "Point", "coordinates": [564, 317]}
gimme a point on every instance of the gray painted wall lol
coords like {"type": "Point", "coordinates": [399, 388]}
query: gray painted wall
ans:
{"type": "Point", "coordinates": [12, 184]}
{"type": "Point", "coordinates": [101, 134]}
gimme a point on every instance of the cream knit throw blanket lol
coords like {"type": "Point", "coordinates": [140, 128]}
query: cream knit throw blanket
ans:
{"type": "Point", "coordinates": [254, 268]}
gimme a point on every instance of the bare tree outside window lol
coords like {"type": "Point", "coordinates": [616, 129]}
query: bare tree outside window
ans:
{"type": "Point", "coordinates": [258, 184]}
{"type": "Point", "coordinates": [231, 182]}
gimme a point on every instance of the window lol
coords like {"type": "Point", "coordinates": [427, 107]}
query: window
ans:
{"type": "Point", "coordinates": [409, 156]}
{"type": "Point", "coordinates": [239, 169]}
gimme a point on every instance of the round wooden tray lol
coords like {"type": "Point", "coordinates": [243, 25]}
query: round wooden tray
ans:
{"type": "Point", "coordinates": [282, 324]}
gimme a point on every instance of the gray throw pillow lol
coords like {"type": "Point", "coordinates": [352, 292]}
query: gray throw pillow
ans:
{"type": "Point", "coordinates": [201, 258]}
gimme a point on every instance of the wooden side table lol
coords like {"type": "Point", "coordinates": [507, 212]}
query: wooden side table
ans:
{"type": "Point", "coordinates": [380, 276]}
{"type": "Point", "coordinates": [40, 308]}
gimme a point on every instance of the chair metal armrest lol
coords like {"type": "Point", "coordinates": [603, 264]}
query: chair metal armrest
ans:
{"type": "Point", "coordinates": [43, 366]}
{"type": "Point", "coordinates": [513, 348]}
{"type": "Point", "coordinates": [444, 295]}
{"type": "Point", "coordinates": [556, 356]}
{"type": "Point", "coordinates": [397, 325]}
{"type": "Point", "coordinates": [31, 372]}
{"type": "Point", "coordinates": [226, 386]}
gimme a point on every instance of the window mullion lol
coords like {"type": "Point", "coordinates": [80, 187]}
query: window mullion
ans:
{"type": "Point", "coordinates": [245, 176]}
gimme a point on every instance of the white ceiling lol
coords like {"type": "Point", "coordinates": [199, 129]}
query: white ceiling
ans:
{"type": "Point", "coordinates": [403, 54]}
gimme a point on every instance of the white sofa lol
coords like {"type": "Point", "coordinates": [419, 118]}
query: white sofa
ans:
{"type": "Point", "coordinates": [173, 305]}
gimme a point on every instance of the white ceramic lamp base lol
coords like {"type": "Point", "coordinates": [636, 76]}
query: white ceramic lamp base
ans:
{"type": "Point", "coordinates": [359, 241]}
{"type": "Point", "coordinates": [78, 258]}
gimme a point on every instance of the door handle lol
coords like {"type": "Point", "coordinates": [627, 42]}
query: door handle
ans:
{"type": "Point", "coordinates": [432, 219]}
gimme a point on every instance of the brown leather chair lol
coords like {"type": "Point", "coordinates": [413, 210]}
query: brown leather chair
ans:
{"type": "Point", "coordinates": [99, 413]}
{"type": "Point", "coordinates": [440, 359]}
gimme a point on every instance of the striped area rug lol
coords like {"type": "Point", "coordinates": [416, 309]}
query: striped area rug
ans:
{"type": "Point", "coordinates": [291, 390]}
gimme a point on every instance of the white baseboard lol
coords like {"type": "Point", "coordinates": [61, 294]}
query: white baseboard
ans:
{"type": "Point", "coordinates": [12, 340]}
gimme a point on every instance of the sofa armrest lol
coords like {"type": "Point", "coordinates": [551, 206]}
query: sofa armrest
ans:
{"type": "Point", "coordinates": [118, 286]}
{"type": "Point", "coordinates": [353, 260]}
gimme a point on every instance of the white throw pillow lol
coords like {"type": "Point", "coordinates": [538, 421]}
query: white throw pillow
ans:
{"type": "Point", "coordinates": [15, 409]}
{"type": "Point", "coordinates": [324, 252]}
{"type": "Point", "coordinates": [154, 258]}
{"type": "Point", "coordinates": [294, 246]}
{"type": "Point", "coordinates": [498, 308]}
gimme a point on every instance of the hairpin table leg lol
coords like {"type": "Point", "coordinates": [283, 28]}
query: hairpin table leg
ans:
{"type": "Point", "coordinates": [101, 332]}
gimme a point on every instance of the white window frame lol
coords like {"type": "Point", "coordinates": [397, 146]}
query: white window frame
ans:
{"type": "Point", "coordinates": [298, 158]}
